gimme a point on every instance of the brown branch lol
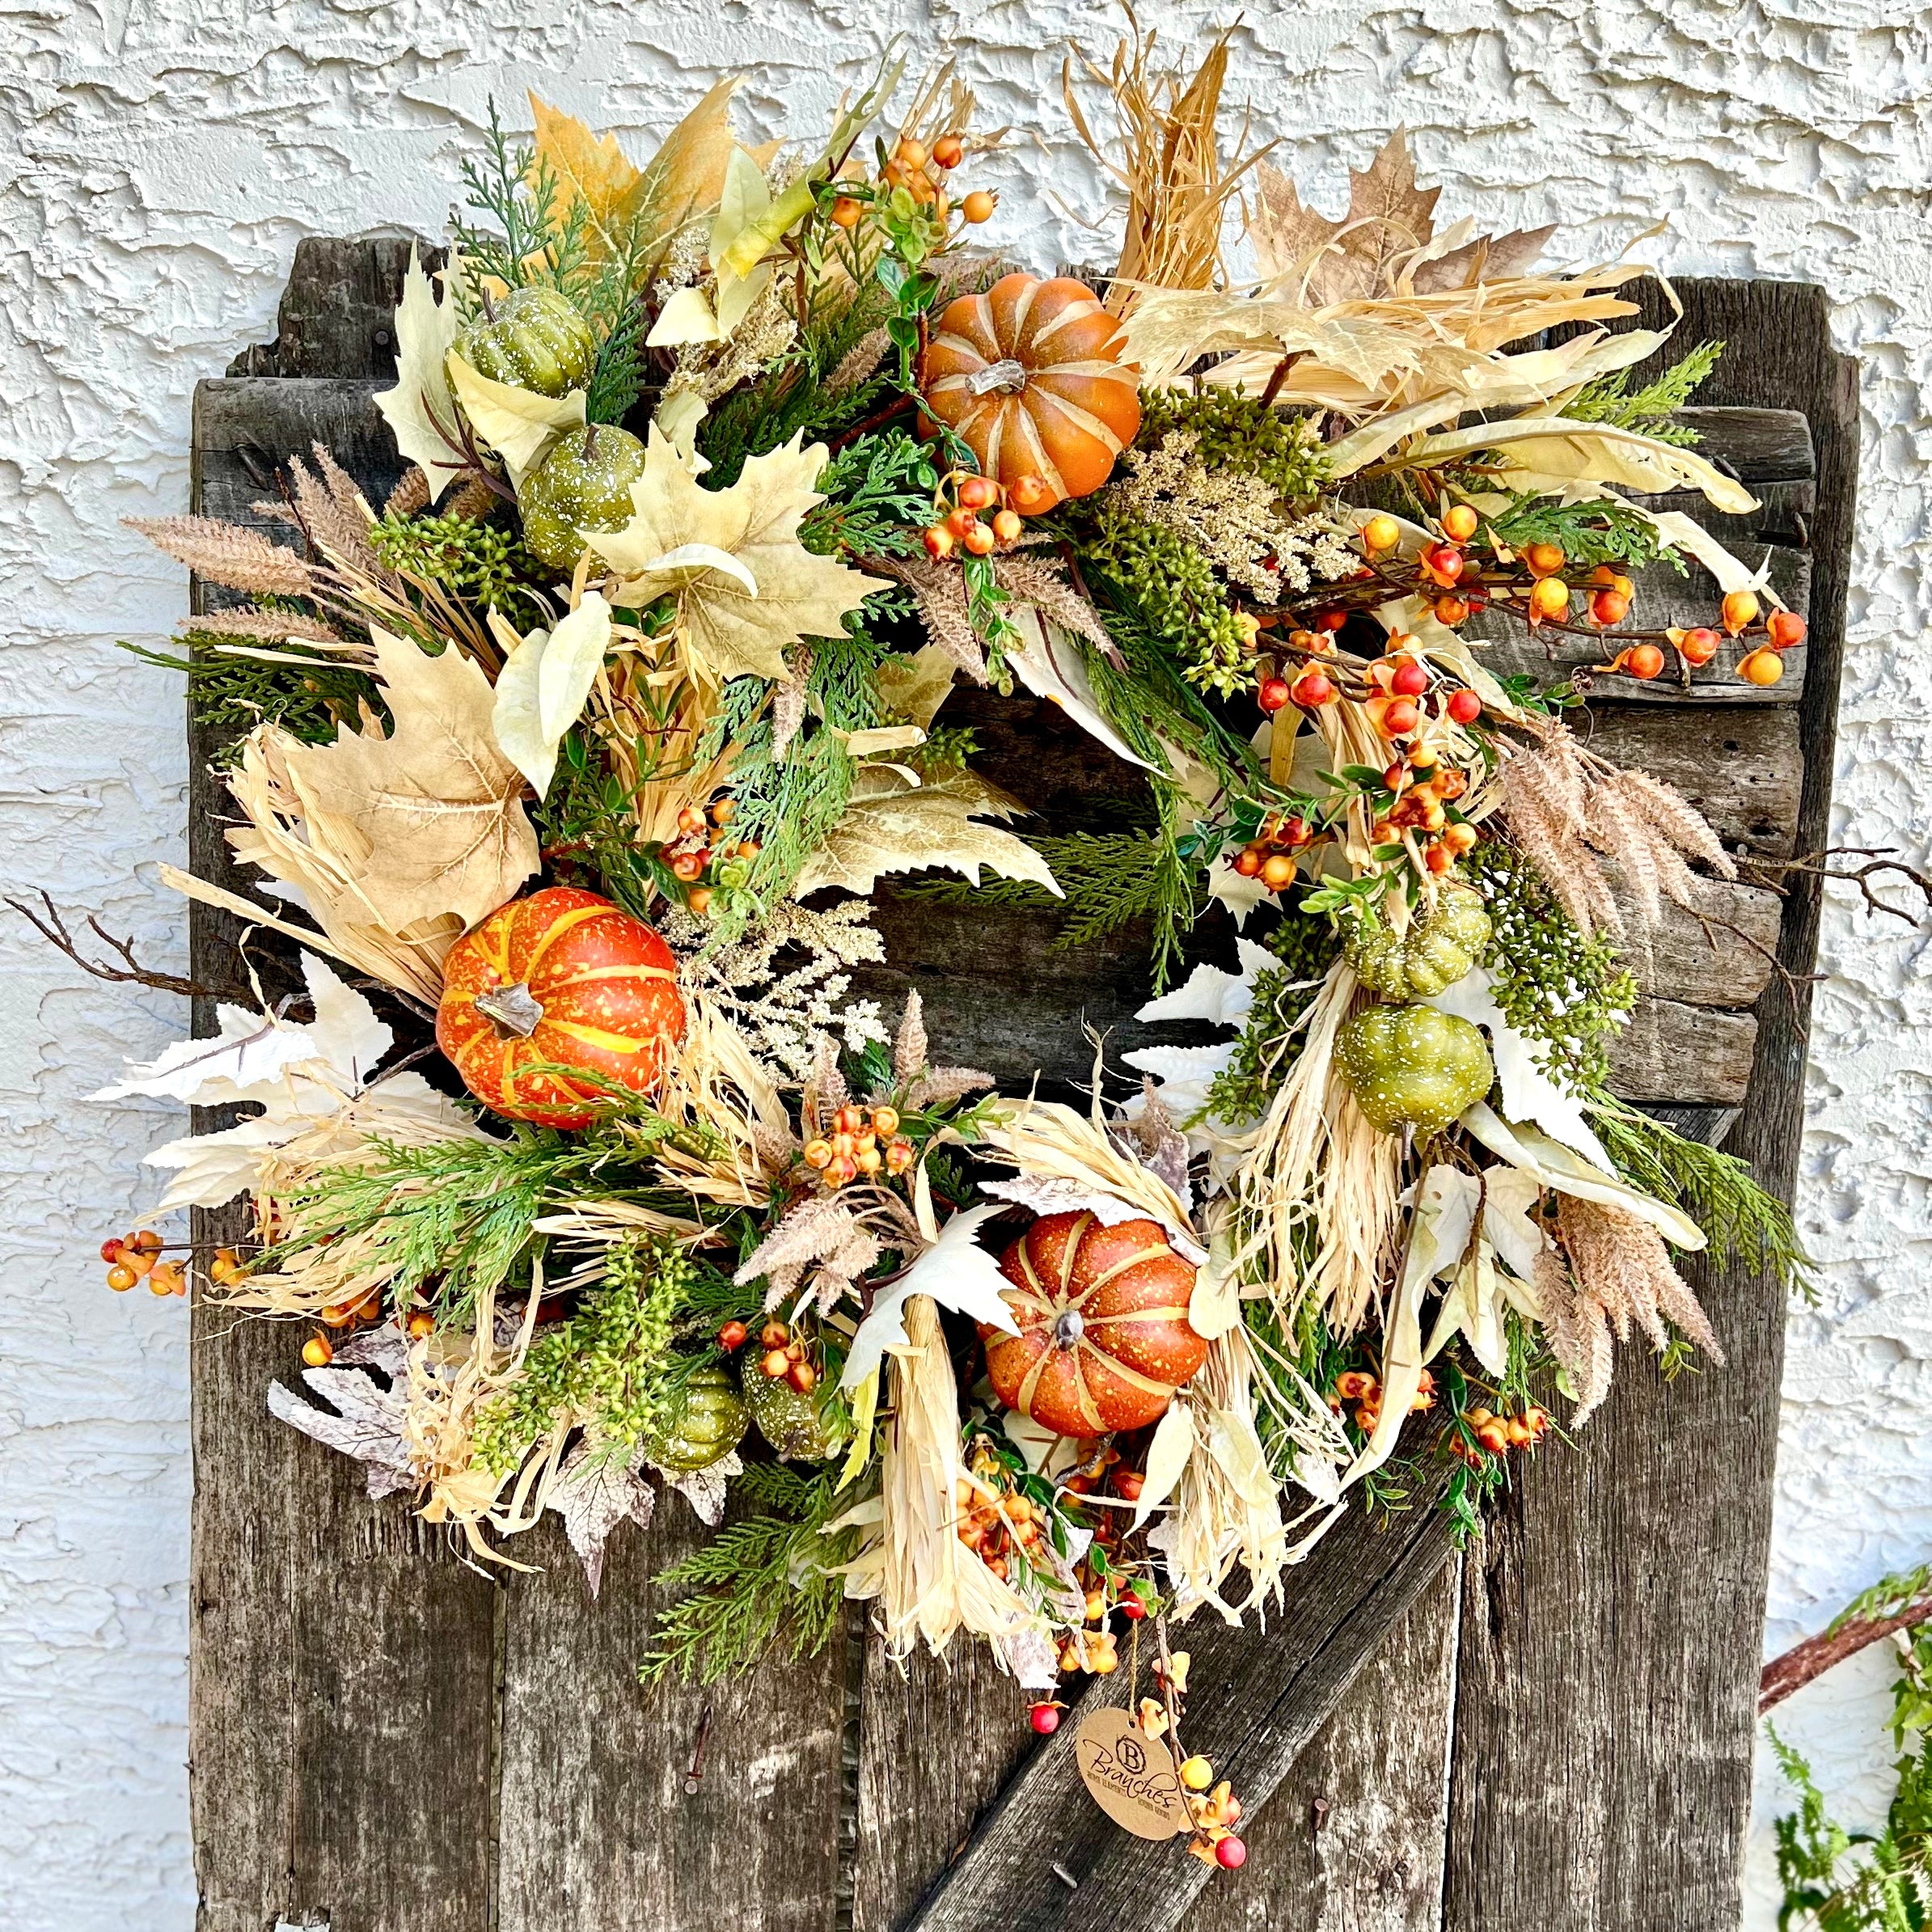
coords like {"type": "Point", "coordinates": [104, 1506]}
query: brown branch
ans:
{"type": "Point", "coordinates": [1815, 1655]}
{"type": "Point", "coordinates": [1879, 861]}
{"type": "Point", "coordinates": [52, 928]}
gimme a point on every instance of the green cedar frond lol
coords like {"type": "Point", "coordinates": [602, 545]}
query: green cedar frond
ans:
{"type": "Point", "coordinates": [228, 696]}
{"type": "Point", "coordinates": [1596, 532]}
{"type": "Point", "coordinates": [1648, 410]}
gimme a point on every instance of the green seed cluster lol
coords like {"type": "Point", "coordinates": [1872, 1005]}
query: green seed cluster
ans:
{"type": "Point", "coordinates": [476, 561]}
{"type": "Point", "coordinates": [1179, 598]}
{"type": "Point", "coordinates": [1236, 432]}
{"type": "Point", "coordinates": [1567, 991]}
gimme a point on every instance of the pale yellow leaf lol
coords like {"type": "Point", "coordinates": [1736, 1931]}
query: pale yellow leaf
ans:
{"type": "Point", "coordinates": [571, 661]}
{"type": "Point", "coordinates": [424, 333]}
{"type": "Point", "coordinates": [678, 417]}
{"type": "Point", "coordinates": [936, 825]}
{"type": "Point", "coordinates": [517, 423]}
{"type": "Point", "coordinates": [513, 717]}
{"type": "Point", "coordinates": [435, 803]}
{"type": "Point", "coordinates": [914, 687]}
{"type": "Point", "coordinates": [687, 317]}
{"type": "Point", "coordinates": [727, 631]}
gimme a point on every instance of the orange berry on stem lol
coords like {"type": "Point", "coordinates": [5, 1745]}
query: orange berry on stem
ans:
{"type": "Point", "coordinates": [1271, 694]}
{"type": "Point", "coordinates": [1451, 609]}
{"type": "Point", "coordinates": [1549, 597]}
{"type": "Point", "coordinates": [979, 493]}
{"type": "Point", "coordinates": [775, 1363]}
{"type": "Point", "coordinates": [1381, 533]}
{"type": "Point", "coordinates": [120, 1277]}
{"type": "Point", "coordinates": [1783, 629]}
{"type": "Point", "coordinates": [1460, 837]}
{"type": "Point", "coordinates": [980, 540]}
{"type": "Point", "coordinates": [1545, 558]}
{"type": "Point", "coordinates": [1464, 707]}
{"type": "Point", "coordinates": [1444, 560]}
{"type": "Point", "coordinates": [731, 1337]}
{"type": "Point", "coordinates": [1438, 858]}
{"type": "Point", "coordinates": [1459, 523]}
{"type": "Point", "coordinates": [1608, 607]}
{"type": "Point", "coordinates": [1030, 494]}
{"type": "Point", "coordinates": [698, 899]}
{"type": "Point", "coordinates": [846, 212]}
{"type": "Point", "coordinates": [689, 866]}
{"type": "Point", "coordinates": [1698, 647]}
{"type": "Point", "coordinates": [1278, 871]}
{"type": "Point", "coordinates": [1330, 620]}
{"type": "Point", "coordinates": [690, 819]}
{"type": "Point", "coordinates": [1007, 526]}
{"type": "Point", "coordinates": [938, 541]}
{"type": "Point", "coordinates": [420, 1323]}
{"type": "Point", "coordinates": [317, 1352]}
{"type": "Point", "coordinates": [961, 520]}
{"type": "Point", "coordinates": [1400, 717]}
{"type": "Point", "coordinates": [1312, 690]}
{"type": "Point", "coordinates": [1643, 661]}
{"type": "Point", "coordinates": [1248, 861]}
{"type": "Point", "coordinates": [110, 1247]}
{"type": "Point", "coordinates": [978, 205]}
{"type": "Point", "coordinates": [910, 154]}
{"type": "Point", "coordinates": [948, 150]}
{"type": "Point", "coordinates": [1739, 609]}
{"type": "Point", "coordinates": [803, 1377]}
{"type": "Point", "coordinates": [1409, 678]}
{"type": "Point", "coordinates": [1762, 667]}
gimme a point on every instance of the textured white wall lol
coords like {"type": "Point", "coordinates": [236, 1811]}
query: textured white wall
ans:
{"type": "Point", "coordinates": [159, 159]}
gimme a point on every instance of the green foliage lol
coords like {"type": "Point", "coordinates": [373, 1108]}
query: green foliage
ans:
{"type": "Point", "coordinates": [617, 376]}
{"type": "Point", "coordinates": [1600, 531]}
{"type": "Point", "coordinates": [1238, 432]}
{"type": "Point", "coordinates": [1570, 993]}
{"type": "Point", "coordinates": [229, 696]}
{"type": "Point", "coordinates": [1173, 589]}
{"type": "Point", "coordinates": [609, 1366]}
{"type": "Point", "coordinates": [584, 821]}
{"type": "Point", "coordinates": [1715, 1188]}
{"type": "Point", "coordinates": [483, 563]}
{"type": "Point", "coordinates": [1836, 1880]}
{"type": "Point", "coordinates": [760, 1585]}
{"type": "Point", "coordinates": [1648, 410]}
{"type": "Point", "coordinates": [879, 492]}
{"type": "Point", "coordinates": [1270, 1040]}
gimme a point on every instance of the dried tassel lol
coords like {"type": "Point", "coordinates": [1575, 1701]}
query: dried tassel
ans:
{"type": "Point", "coordinates": [226, 554]}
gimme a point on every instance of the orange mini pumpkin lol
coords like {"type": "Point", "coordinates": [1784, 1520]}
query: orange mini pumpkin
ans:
{"type": "Point", "coordinates": [1104, 1337]}
{"type": "Point", "coordinates": [1029, 374]}
{"type": "Point", "coordinates": [562, 978]}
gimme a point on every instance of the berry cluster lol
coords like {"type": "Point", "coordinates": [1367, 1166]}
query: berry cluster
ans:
{"type": "Point", "coordinates": [914, 177]}
{"type": "Point", "coordinates": [995, 1521]}
{"type": "Point", "coordinates": [1496, 1433]}
{"type": "Point", "coordinates": [1364, 1391]}
{"type": "Point", "coordinates": [785, 1354]}
{"type": "Point", "coordinates": [864, 1139]}
{"type": "Point", "coordinates": [701, 846]}
{"type": "Point", "coordinates": [132, 1257]}
{"type": "Point", "coordinates": [960, 527]}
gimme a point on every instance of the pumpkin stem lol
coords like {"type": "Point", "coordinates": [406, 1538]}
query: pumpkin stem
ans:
{"type": "Point", "coordinates": [1008, 376]}
{"type": "Point", "coordinates": [489, 307]}
{"type": "Point", "coordinates": [1066, 1331]}
{"type": "Point", "coordinates": [513, 1010]}
{"type": "Point", "coordinates": [589, 441]}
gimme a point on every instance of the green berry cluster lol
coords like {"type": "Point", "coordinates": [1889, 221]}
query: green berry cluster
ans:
{"type": "Point", "coordinates": [476, 561]}
{"type": "Point", "coordinates": [1237, 432]}
{"type": "Point", "coordinates": [1177, 595]}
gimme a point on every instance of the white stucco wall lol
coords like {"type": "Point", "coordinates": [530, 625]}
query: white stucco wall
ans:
{"type": "Point", "coordinates": [159, 159]}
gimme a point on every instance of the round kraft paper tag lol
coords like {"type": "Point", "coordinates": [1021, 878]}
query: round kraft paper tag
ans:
{"type": "Point", "coordinates": [1130, 1775]}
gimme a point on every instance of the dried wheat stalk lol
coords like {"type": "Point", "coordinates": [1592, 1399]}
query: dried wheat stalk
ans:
{"type": "Point", "coordinates": [226, 554]}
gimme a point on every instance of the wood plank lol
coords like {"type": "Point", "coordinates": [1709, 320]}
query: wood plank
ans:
{"type": "Point", "coordinates": [1352, 1840]}
{"type": "Point", "coordinates": [1743, 768]}
{"type": "Point", "coordinates": [1664, 600]}
{"type": "Point", "coordinates": [1605, 1706]}
{"type": "Point", "coordinates": [938, 1737]}
{"type": "Point", "coordinates": [1720, 956]}
{"type": "Point", "coordinates": [248, 428]}
{"type": "Point", "coordinates": [337, 314]}
{"type": "Point", "coordinates": [597, 1828]}
{"type": "Point", "coordinates": [1670, 1051]}
{"type": "Point", "coordinates": [1255, 1697]}
{"type": "Point", "coordinates": [1759, 447]}
{"type": "Point", "coordinates": [342, 1660]}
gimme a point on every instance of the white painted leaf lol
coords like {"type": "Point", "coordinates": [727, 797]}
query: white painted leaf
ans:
{"type": "Point", "coordinates": [687, 317]}
{"type": "Point", "coordinates": [513, 719]}
{"type": "Point", "coordinates": [425, 331]}
{"type": "Point", "coordinates": [956, 1272]}
{"type": "Point", "coordinates": [517, 423]}
{"type": "Point", "coordinates": [595, 1491]}
{"type": "Point", "coordinates": [364, 1422]}
{"type": "Point", "coordinates": [705, 1489]}
{"type": "Point", "coordinates": [1222, 999]}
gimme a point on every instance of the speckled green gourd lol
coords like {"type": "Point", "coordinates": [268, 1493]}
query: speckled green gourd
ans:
{"type": "Point", "coordinates": [1438, 948]}
{"type": "Point", "coordinates": [789, 1422]}
{"type": "Point", "coordinates": [582, 484]}
{"type": "Point", "coordinates": [1412, 1067]}
{"type": "Point", "coordinates": [532, 339]}
{"type": "Point", "coordinates": [706, 1420]}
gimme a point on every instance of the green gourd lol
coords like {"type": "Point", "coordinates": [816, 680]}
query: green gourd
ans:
{"type": "Point", "coordinates": [532, 339]}
{"type": "Point", "coordinates": [583, 483]}
{"type": "Point", "coordinates": [789, 1422]}
{"type": "Point", "coordinates": [1438, 948]}
{"type": "Point", "coordinates": [1413, 1066]}
{"type": "Point", "coordinates": [705, 1421]}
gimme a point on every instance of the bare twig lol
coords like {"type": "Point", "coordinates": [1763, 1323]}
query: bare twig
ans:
{"type": "Point", "coordinates": [1879, 861]}
{"type": "Point", "coordinates": [1815, 1655]}
{"type": "Point", "coordinates": [52, 928]}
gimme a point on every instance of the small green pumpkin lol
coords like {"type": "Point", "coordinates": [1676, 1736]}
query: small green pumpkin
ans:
{"type": "Point", "coordinates": [706, 1420]}
{"type": "Point", "coordinates": [1413, 1066]}
{"type": "Point", "coordinates": [789, 1422]}
{"type": "Point", "coordinates": [583, 483]}
{"type": "Point", "coordinates": [1438, 949]}
{"type": "Point", "coordinates": [531, 339]}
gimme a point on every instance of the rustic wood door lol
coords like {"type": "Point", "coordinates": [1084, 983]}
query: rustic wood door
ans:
{"type": "Point", "coordinates": [1551, 1729]}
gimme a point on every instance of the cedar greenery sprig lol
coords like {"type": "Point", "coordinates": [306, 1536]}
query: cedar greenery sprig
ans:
{"type": "Point", "coordinates": [1609, 399]}
{"type": "Point", "coordinates": [761, 1584]}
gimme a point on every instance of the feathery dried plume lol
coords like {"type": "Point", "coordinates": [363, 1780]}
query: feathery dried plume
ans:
{"type": "Point", "coordinates": [910, 1049]}
{"type": "Point", "coordinates": [857, 364]}
{"type": "Point", "coordinates": [267, 626]}
{"type": "Point", "coordinates": [789, 702]}
{"type": "Point", "coordinates": [1620, 1274]}
{"type": "Point", "coordinates": [228, 555]}
{"type": "Point", "coordinates": [941, 595]}
{"type": "Point", "coordinates": [1667, 811]}
{"type": "Point", "coordinates": [473, 502]}
{"type": "Point", "coordinates": [411, 493]}
{"type": "Point", "coordinates": [334, 516]}
{"type": "Point", "coordinates": [1032, 582]}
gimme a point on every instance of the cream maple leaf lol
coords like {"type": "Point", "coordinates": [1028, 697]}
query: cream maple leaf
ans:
{"type": "Point", "coordinates": [425, 331]}
{"type": "Point", "coordinates": [746, 586]}
{"type": "Point", "coordinates": [436, 801]}
{"type": "Point", "coordinates": [891, 827]}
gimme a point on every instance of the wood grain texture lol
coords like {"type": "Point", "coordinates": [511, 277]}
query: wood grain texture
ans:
{"type": "Point", "coordinates": [331, 1638]}
{"type": "Point", "coordinates": [1605, 1710]}
{"type": "Point", "coordinates": [1256, 1697]}
{"type": "Point", "coordinates": [597, 1832]}
{"type": "Point", "coordinates": [1352, 1840]}
{"type": "Point", "coordinates": [337, 314]}
{"type": "Point", "coordinates": [1743, 768]}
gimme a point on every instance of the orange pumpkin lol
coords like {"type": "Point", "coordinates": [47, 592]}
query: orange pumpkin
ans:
{"type": "Point", "coordinates": [562, 978]}
{"type": "Point", "coordinates": [1104, 1337]}
{"type": "Point", "coordinates": [1029, 374]}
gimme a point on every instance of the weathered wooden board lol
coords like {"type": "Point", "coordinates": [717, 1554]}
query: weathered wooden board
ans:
{"type": "Point", "coordinates": [835, 1792]}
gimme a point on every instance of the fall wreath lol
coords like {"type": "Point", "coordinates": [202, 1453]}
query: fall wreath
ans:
{"type": "Point", "coordinates": [590, 745]}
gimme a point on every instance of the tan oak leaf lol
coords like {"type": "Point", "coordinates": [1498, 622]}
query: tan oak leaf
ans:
{"type": "Point", "coordinates": [435, 804]}
{"type": "Point", "coordinates": [424, 330]}
{"type": "Point", "coordinates": [891, 827]}
{"type": "Point", "coordinates": [735, 622]}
